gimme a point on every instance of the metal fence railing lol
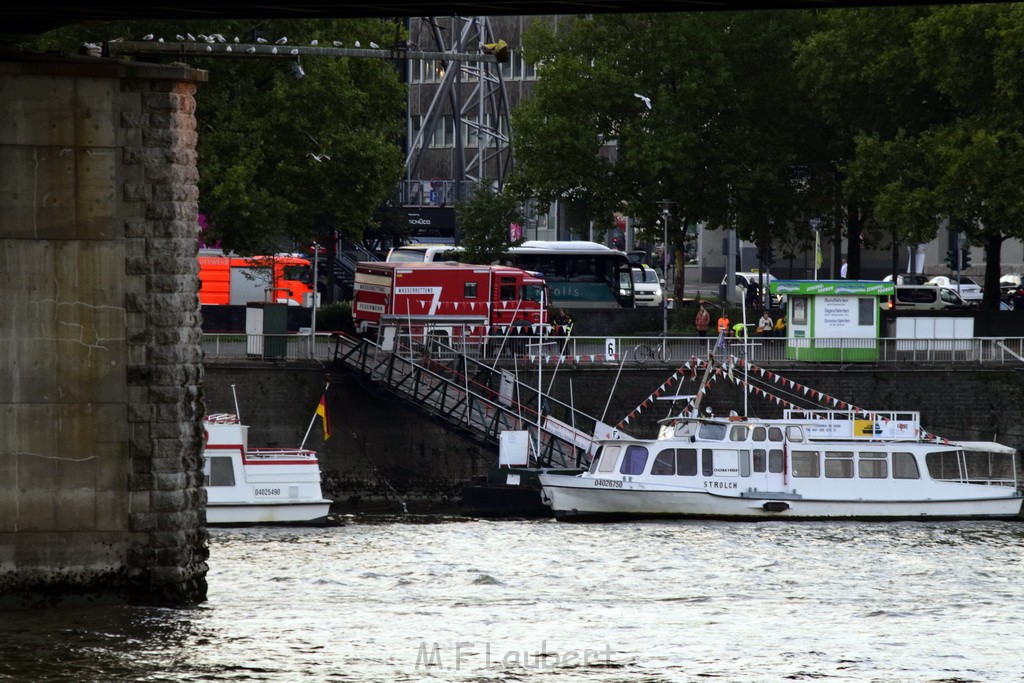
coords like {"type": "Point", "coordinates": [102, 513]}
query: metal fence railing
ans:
{"type": "Point", "coordinates": [634, 350]}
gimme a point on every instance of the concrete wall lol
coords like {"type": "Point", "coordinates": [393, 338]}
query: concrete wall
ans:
{"type": "Point", "coordinates": [100, 475]}
{"type": "Point", "coordinates": [383, 452]}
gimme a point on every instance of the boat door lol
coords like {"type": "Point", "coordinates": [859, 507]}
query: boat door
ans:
{"type": "Point", "coordinates": [767, 466]}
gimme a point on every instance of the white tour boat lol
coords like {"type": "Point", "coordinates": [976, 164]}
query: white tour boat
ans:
{"type": "Point", "coordinates": [809, 464]}
{"type": "Point", "coordinates": [246, 486]}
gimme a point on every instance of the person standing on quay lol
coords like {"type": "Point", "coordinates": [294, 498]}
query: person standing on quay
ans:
{"type": "Point", "coordinates": [702, 321]}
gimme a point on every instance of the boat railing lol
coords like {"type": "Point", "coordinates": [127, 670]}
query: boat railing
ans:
{"type": "Point", "coordinates": [280, 454]}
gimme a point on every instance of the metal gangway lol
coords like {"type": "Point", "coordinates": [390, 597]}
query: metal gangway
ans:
{"type": "Point", "coordinates": [467, 395]}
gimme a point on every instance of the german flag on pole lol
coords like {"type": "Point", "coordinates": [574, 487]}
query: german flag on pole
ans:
{"type": "Point", "coordinates": [321, 410]}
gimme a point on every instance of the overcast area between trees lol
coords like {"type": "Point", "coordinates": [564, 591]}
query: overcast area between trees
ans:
{"type": "Point", "coordinates": [877, 124]}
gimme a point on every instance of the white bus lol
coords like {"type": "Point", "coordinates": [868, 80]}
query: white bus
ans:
{"type": "Point", "coordinates": [580, 274]}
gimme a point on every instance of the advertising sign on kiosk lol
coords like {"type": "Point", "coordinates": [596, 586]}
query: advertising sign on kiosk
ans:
{"type": "Point", "coordinates": [832, 320]}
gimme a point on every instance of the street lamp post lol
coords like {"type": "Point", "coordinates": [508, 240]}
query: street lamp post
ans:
{"type": "Point", "coordinates": [665, 216]}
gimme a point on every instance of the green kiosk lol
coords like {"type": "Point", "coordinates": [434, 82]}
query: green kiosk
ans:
{"type": "Point", "coordinates": [832, 320]}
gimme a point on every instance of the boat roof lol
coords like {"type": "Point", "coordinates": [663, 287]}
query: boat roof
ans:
{"type": "Point", "coordinates": [986, 447]}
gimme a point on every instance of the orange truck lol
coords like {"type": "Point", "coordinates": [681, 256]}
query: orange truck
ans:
{"type": "Point", "coordinates": [228, 279]}
{"type": "Point", "coordinates": [448, 300]}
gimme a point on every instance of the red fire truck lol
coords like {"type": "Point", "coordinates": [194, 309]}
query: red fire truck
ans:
{"type": "Point", "coordinates": [229, 279]}
{"type": "Point", "coordinates": [452, 300]}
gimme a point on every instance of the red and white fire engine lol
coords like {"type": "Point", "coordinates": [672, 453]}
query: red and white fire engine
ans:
{"type": "Point", "coordinates": [453, 300]}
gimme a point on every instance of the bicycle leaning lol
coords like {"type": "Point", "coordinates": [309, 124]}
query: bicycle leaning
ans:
{"type": "Point", "coordinates": [645, 353]}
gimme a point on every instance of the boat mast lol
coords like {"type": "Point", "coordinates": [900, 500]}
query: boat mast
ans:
{"type": "Point", "coordinates": [703, 384]}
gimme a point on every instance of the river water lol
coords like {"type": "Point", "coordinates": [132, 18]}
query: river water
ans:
{"type": "Point", "coordinates": [443, 599]}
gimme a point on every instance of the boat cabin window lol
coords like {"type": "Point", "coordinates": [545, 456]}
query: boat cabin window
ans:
{"type": "Point", "coordinates": [221, 472]}
{"type": "Point", "coordinates": [738, 433]}
{"type": "Point", "coordinates": [634, 461]}
{"type": "Point", "coordinates": [760, 434]}
{"type": "Point", "coordinates": [760, 456]}
{"type": "Point", "coordinates": [944, 465]}
{"type": "Point", "coordinates": [707, 462]}
{"type": "Point", "coordinates": [712, 431]}
{"type": "Point", "coordinates": [687, 429]}
{"type": "Point", "coordinates": [608, 458]}
{"type": "Point", "coordinates": [839, 464]}
{"type": "Point", "coordinates": [775, 433]}
{"type": "Point", "coordinates": [775, 460]}
{"type": "Point", "coordinates": [678, 461]}
{"type": "Point", "coordinates": [872, 466]}
{"type": "Point", "coordinates": [904, 466]}
{"type": "Point", "coordinates": [806, 464]}
{"type": "Point", "coordinates": [665, 463]}
{"type": "Point", "coordinates": [596, 460]}
{"type": "Point", "coordinates": [744, 463]}
{"type": "Point", "coordinates": [795, 434]}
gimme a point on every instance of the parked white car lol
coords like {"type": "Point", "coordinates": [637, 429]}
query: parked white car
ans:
{"type": "Point", "coordinates": [647, 287]}
{"type": "Point", "coordinates": [745, 278]}
{"type": "Point", "coordinates": [968, 289]}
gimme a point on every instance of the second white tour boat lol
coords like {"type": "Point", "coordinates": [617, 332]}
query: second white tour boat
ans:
{"type": "Point", "coordinates": [808, 464]}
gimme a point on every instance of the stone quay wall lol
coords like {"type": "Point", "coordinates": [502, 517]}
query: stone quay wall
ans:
{"type": "Point", "coordinates": [101, 493]}
{"type": "Point", "coordinates": [383, 452]}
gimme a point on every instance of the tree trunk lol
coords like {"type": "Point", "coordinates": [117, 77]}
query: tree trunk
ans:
{"type": "Point", "coordinates": [854, 223]}
{"type": "Point", "coordinates": [993, 266]}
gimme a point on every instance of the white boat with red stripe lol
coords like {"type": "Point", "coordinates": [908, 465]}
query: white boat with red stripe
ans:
{"type": "Point", "coordinates": [256, 486]}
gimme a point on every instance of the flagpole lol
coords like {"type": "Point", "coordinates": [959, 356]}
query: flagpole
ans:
{"type": "Point", "coordinates": [313, 421]}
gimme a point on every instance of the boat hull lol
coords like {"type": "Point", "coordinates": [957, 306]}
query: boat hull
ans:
{"type": "Point", "coordinates": [313, 513]}
{"type": "Point", "coordinates": [580, 499]}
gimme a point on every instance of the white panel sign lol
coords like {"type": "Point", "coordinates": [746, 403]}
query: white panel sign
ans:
{"type": "Point", "coordinates": [513, 449]}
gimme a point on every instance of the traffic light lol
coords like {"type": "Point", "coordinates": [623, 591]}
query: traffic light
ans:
{"type": "Point", "coordinates": [965, 259]}
{"type": "Point", "coordinates": [769, 257]}
{"type": "Point", "coordinates": [951, 258]}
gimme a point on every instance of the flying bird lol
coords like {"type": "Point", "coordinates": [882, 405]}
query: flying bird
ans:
{"type": "Point", "coordinates": [282, 40]}
{"type": "Point", "coordinates": [318, 157]}
{"type": "Point", "coordinates": [646, 100]}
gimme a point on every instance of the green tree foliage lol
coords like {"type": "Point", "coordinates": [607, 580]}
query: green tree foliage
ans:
{"type": "Point", "coordinates": [721, 138]}
{"type": "Point", "coordinates": [484, 220]}
{"type": "Point", "coordinates": [950, 147]}
{"type": "Point", "coordinates": [280, 156]}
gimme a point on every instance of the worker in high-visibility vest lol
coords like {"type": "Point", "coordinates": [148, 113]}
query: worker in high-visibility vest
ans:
{"type": "Point", "coordinates": [723, 324]}
{"type": "Point", "coordinates": [739, 330]}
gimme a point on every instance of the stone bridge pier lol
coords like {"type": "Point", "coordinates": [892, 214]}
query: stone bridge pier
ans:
{"type": "Point", "coordinates": [101, 491]}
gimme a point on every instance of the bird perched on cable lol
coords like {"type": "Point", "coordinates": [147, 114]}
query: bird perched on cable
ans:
{"type": "Point", "coordinates": [646, 100]}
